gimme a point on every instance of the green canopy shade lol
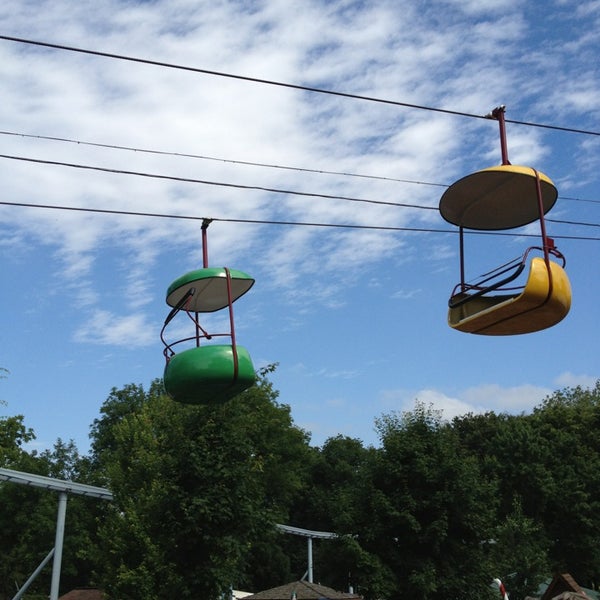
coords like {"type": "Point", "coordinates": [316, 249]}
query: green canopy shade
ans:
{"type": "Point", "coordinates": [206, 374]}
{"type": "Point", "coordinates": [501, 197]}
{"type": "Point", "coordinates": [209, 288]}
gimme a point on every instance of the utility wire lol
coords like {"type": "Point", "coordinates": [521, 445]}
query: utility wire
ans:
{"type": "Point", "coordinates": [217, 159]}
{"type": "Point", "coordinates": [579, 199]}
{"type": "Point", "coordinates": [213, 183]}
{"type": "Point", "coordinates": [244, 187]}
{"type": "Point", "coordinates": [241, 162]}
{"type": "Point", "coordinates": [225, 220]}
{"type": "Point", "coordinates": [283, 84]}
{"type": "Point", "coordinates": [563, 222]}
{"type": "Point", "coordinates": [276, 222]}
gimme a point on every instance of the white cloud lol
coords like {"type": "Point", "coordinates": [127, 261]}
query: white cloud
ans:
{"type": "Point", "coordinates": [476, 400]}
{"type": "Point", "coordinates": [406, 294]}
{"type": "Point", "coordinates": [136, 105]}
{"type": "Point", "coordinates": [571, 380]}
{"type": "Point", "coordinates": [450, 407]}
{"type": "Point", "coordinates": [105, 328]}
{"type": "Point", "coordinates": [484, 7]}
{"type": "Point", "coordinates": [515, 399]}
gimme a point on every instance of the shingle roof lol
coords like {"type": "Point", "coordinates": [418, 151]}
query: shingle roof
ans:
{"type": "Point", "coordinates": [563, 587]}
{"type": "Point", "coordinates": [560, 584]}
{"type": "Point", "coordinates": [304, 591]}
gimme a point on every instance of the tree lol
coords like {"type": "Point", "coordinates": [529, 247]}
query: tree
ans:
{"type": "Point", "coordinates": [519, 552]}
{"type": "Point", "coordinates": [13, 434]}
{"type": "Point", "coordinates": [546, 467]}
{"type": "Point", "coordinates": [195, 487]}
{"type": "Point", "coordinates": [16, 549]}
{"type": "Point", "coordinates": [430, 508]}
{"type": "Point", "coordinates": [514, 460]}
{"type": "Point", "coordinates": [339, 476]}
{"type": "Point", "coordinates": [118, 405]}
{"type": "Point", "coordinates": [569, 421]}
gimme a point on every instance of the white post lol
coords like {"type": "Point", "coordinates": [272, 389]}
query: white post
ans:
{"type": "Point", "coordinates": [58, 545]}
{"type": "Point", "coordinates": [310, 561]}
{"type": "Point", "coordinates": [31, 579]}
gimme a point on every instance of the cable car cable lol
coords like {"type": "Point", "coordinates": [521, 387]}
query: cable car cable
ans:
{"type": "Point", "coordinates": [289, 223]}
{"type": "Point", "coordinates": [213, 183]}
{"type": "Point", "coordinates": [564, 222]}
{"type": "Point", "coordinates": [219, 159]}
{"type": "Point", "coordinates": [246, 163]}
{"type": "Point", "coordinates": [283, 84]}
{"type": "Point", "coordinates": [239, 186]}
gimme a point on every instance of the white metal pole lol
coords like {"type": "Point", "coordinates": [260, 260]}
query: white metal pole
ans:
{"type": "Point", "coordinates": [31, 579]}
{"type": "Point", "coordinates": [58, 544]}
{"type": "Point", "coordinates": [310, 561]}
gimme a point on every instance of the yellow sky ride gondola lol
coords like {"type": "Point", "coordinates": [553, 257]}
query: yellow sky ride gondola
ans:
{"type": "Point", "coordinates": [506, 197]}
{"type": "Point", "coordinates": [206, 373]}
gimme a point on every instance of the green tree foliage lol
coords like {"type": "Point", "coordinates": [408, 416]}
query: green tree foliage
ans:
{"type": "Point", "coordinates": [430, 510]}
{"type": "Point", "coordinates": [16, 537]}
{"type": "Point", "coordinates": [519, 552]}
{"type": "Point", "coordinates": [119, 404]}
{"type": "Point", "coordinates": [196, 487]}
{"type": "Point", "coordinates": [437, 511]}
{"type": "Point", "coordinates": [13, 434]}
{"type": "Point", "coordinates": [335, 474]}
{"type": "Point", "coordinates": [569, 422]}
{"type": "Point", "coordinates": [339, 477]}
{"type": "Point", "coordinates": [513, 459]}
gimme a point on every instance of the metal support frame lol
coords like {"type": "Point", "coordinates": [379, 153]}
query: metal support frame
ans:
{"type": "Point", "coordinates": [323, 535]}
{"type": "Point", "coordinates": [58, 544]}
{"type": "Point", "coordinates": [32, 577]}
{"type": "Point", "coordinates": [63, 488]}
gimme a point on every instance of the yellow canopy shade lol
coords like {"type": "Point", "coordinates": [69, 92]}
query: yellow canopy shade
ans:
{"type": "Point", "coordinates": [501, 197]}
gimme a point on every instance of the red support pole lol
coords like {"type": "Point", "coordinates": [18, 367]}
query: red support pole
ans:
{"type": "Point", "coordinates": [546, 242]}
{"type": "Point", "coordinates": [205, 224]}
{"type": "Point", "coordinates": [498, 114]}
{"type": "Point", "coordinates": [232, 326]}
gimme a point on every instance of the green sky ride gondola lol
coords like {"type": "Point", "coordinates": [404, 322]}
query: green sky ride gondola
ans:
{"type": "Point", "coordinates": [205, 372]}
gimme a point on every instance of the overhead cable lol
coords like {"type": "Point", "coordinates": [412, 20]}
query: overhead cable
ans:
{"type": "Point", "coordinates": [243, 162]}
{"type": "Point", "coordinates": [304, 88]}
{"type": "Point", "coordinates": [218, 159]}
{"type": "Point", "coordinates": [242, 186]}
{"type": "Point", "coordinates": [278, 222]}
{"type": "Point", "coordinates": [213, 183]}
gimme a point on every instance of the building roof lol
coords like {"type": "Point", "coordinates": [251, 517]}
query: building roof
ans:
{"type": "Point", "coordinates": [304, 591]}
{"type": "Point", "coordinates": [83, 594]}
{"type": "Point", "coordinates": [563, 587]}
{"type": "Point", "coordinates": [563, 584]}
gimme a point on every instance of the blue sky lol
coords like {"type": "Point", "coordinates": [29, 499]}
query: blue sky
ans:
{"type": "Point", "coordinates": [355, 317]}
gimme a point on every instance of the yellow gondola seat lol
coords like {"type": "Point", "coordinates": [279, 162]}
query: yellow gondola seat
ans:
{"type": "Point", "coordinates": [545, 301]}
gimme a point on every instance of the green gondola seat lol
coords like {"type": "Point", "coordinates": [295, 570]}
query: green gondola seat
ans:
{"type": "Point", "coordinates": [207, 374]}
